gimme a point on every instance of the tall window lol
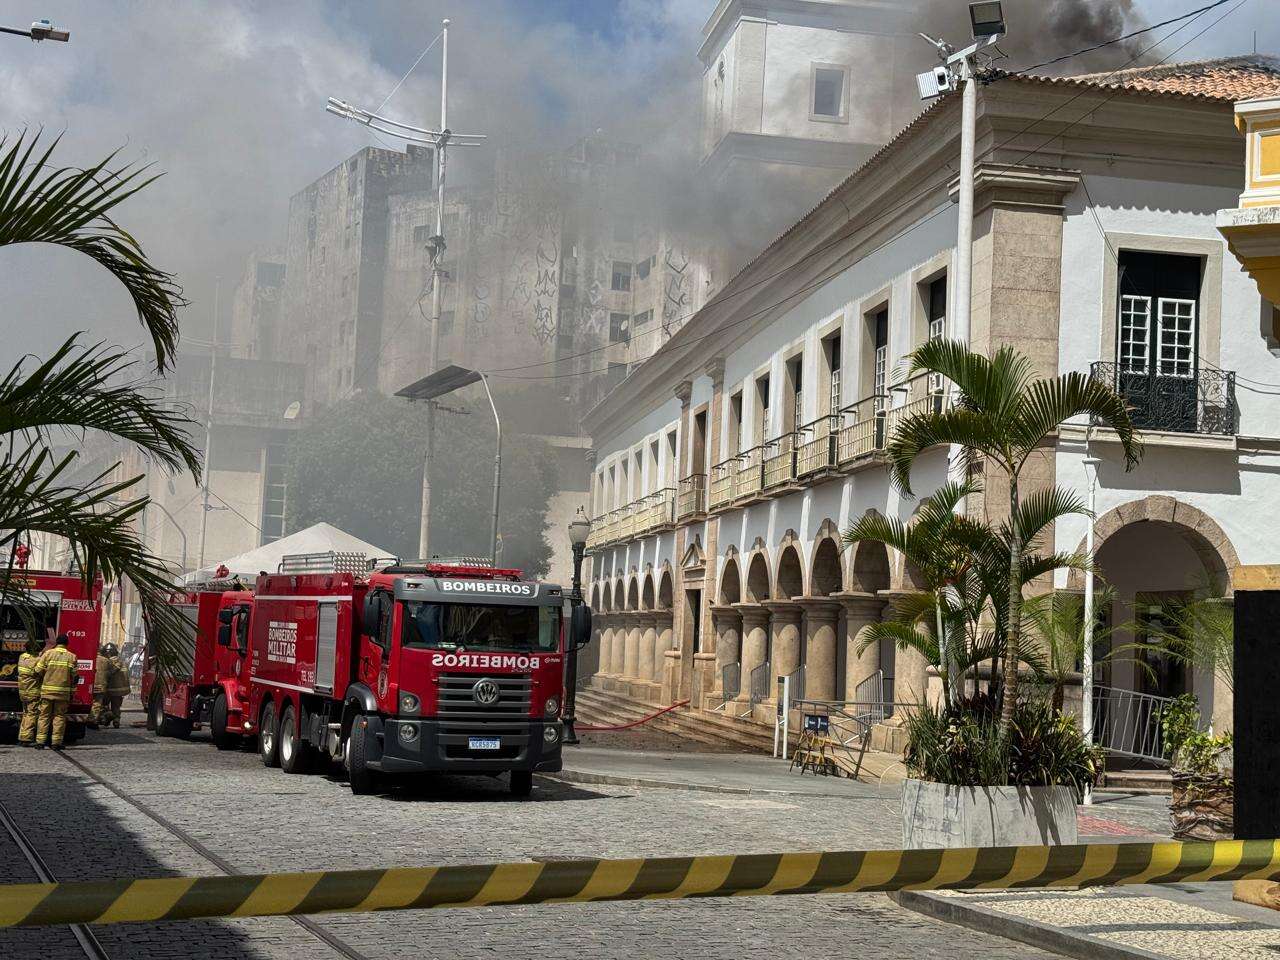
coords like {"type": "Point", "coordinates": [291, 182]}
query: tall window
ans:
{"type": "Point", "coordinates": [937, 315]}
{"type": "Point", "coordinates": [795, 387]}
{"type": "Point", "coordinates": [831, 350]}
{"type": "Point", "coordinates": [1158, 314]}
{"type": "Point", "coordinates": [621, 275]}
{"type": "Point", "coordinates": [762, 410]}
{"type": "Point", "coordinates": [880, 372]}
{"type": "Point", "coordinates": [735, 424]}
{"type": "Point", "coordinates": [828, 92]}
{"type": "Point", "coordinates": [273, 493]}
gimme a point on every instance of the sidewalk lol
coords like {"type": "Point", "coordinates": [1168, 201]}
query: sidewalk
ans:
{"type": "Point", "coordinates": [739, 773]}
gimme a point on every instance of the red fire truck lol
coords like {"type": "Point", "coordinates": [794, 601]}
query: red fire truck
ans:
{"type": "Point", "coordinates": [58, 603]}
{"type": "Point", "coordinates": [211, 684]}
{"type": "Point", "coordinates": [414, 667]}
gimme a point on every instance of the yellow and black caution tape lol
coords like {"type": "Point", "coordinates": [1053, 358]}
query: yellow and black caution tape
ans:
{"type": "Point", "coordinates": [577, 881]}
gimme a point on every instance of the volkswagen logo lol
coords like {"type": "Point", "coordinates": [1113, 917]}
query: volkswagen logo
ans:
{"type": "Point", "coordinates": [485, 692]}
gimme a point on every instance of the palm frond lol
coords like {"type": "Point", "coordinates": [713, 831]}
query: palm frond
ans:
{"type": "Point", "coordinates": [43, 203]}
{"type": "Point", "coordinates": [88, 388]}
{"type": "Point", "coordinates": [1051, 402]}
{"type": "Point", "coordinates": [921, 431]}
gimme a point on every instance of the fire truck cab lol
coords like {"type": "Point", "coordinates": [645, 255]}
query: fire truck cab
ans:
{"type": "Point", "coordinates": [414, 667]}
{"type": "Point", "coordinates": [54, 603]}
{"type": "Point", "coordinates": [211, 683]}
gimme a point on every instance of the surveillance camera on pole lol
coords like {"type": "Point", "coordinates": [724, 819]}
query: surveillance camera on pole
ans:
{"type": "Point", "coordinates": [42, 29]}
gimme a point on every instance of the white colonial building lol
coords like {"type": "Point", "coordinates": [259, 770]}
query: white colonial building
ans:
{"type": "Point", "coordinates": [728, 464]}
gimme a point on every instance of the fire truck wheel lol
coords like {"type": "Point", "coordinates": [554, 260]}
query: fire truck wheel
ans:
{"type": "Point", "coordinates": [157, 718]}
{"type": "Point", "coordinates": [269, 737]}
{"type": "Point", "coordinates": [294, 755]}
{"type": "Point", "coordinates": [218, 726]}
{"type": "Point", "coordinates": [362, 780]}
{"type": "Point", "coordinates": [521, 783]}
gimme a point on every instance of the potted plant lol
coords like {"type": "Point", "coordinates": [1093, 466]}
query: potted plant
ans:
{"type": "Point", "coordinates": [1203, 802]}
{"type": "Point", "coordinates": [971, 787]}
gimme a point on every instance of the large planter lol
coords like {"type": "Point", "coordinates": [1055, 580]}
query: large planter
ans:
{"type": "Point", "coordinates": [1203, 806]}
{"type": "Point", "coordinates": [943, 815]}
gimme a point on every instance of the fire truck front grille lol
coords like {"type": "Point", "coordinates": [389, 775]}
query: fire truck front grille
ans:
{"type": "Point", "coordinates": [458, 701]}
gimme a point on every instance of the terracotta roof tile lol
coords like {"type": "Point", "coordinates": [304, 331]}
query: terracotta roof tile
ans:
{"type": "Point", "coordinates": [1229, 78]}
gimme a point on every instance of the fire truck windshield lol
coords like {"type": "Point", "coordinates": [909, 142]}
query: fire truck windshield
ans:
{"type": "Point", "coordinates": [452, 626]}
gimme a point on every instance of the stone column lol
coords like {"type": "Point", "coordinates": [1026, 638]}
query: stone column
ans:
{"type": "Point", "coordinates": [755, 640]}
{"type": "Point", "coordinates": [860, 609]}
{"type": "Point", "coordinates": [820, 615]}
{"type": "Point", "coordinates": [714, 369]}
{"type": "Point", "coordinates": [631, 646]}
{"type": "Point", "coordinates": [784, 640]}
{"type": "Point", "coordinates": [648, 644]}
{"type": "Point", "coordinates": [728, 629]}
{"type": "Point", "coordinates": [910, 670]}
{"type": "Point", "coordinates": [664, 624]}
{"type": "Point", "coordinates": [603, 638]}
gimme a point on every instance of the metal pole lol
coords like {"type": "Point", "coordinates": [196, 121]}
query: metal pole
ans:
{"type": "Point", "coordinates": [208, 424]}
{"type": "Point", "coordinates": [569, 717]}
{"type": "Point", "coordinates": [964, 233]}
{"type": "Point", "coordinates": [497, 465]}
{"type": "Point", "coordinates": [1086, 655]}
{"type": "Point", "coordinates": [182, 533]}
{"type": "Point", "coordinates": [437, 277]}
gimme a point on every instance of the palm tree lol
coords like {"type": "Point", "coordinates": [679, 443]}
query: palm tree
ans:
{"type": "Point", "coordinates": [964, 565]}
{"type": "Point", "coordinates": [1004, 413]}
{"type": "Point", "coordinates": [73, 208]}
{"type": "Point", "coordinates": [87, 388]}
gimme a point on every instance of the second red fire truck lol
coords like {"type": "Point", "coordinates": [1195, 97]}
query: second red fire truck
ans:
{"type": "Point", "coordinates": [411, 668]}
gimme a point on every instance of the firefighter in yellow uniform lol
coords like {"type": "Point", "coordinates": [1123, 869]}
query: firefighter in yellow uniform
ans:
{"type": "Point", "coordinates": [101, 699]}
{"type": "Point", "coordinates": [57, 670]}
{"type": "Point", "coordinates": [29, 691]}
{"type": "Point", "coordinates": [118, 687]}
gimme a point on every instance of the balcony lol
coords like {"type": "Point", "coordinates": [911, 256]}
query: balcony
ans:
{"type": "Point", "coordinates": [748, 479]}
{"type": "Point", "coordinates": [1201, 403]}
{"type": "Point", "coordinates": [816, 446]}
{"type": "Point", "coordinates": [691, 497]}
{"type": "Point", "coordinates": [653, 513]}
{"type": "Point", "coordinates": [720, 492]}
{"type": "Point", "coordinates": [778, 458]}
{"type": "Point", "coordinates": [861, 430]}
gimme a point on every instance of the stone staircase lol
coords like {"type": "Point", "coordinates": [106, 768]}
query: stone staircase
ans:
{"type": "Point", "coordinates": [600, 709]}
{"type": "Point", "coordinates": [1139, 781]}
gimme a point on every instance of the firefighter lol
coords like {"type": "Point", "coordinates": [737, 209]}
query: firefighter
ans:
{"type": "Point", "coordinates": [29, 691]}
{"type": "Point", "coordinates": [118, 687]}
{"type": "Point", "coordinates": [101, 699]}
{"type": "Point", "coordinates": [57, 671]}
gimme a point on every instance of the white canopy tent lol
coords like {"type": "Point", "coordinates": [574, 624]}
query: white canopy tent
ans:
{"type": "Point", "coordinates": [320, 538]}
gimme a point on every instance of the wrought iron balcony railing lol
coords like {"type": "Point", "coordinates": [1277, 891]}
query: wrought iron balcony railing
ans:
{"type": "Point", "coordinates": [816, 445]}
{"type": "Point", "coordinates": [720, 492]}
{"type": "Point", "coordinates": [749, 476]}
{"type": "Point", "coordinates": [1204, 403]}
{"type": "Point", "coordinates": [779, 461]}
{"type": "Point", "coordinates": [691, 496]}
{"type": "Point", "coordinates": [861, 429]}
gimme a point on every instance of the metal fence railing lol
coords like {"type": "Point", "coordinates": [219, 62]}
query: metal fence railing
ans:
{"type": "Point", "coordinates": [1128, 724]}
{"type": "Point", "coordinates": [877, 688]}
{"type": "Point", "coordinates": [759, 684]}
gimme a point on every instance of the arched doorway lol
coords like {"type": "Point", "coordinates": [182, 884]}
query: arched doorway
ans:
{"type": "Point", "coordinates": [758, 579]}
{"type": "Point", "coordinates": [730, 583]}
{"type": "Point", "coordinates": [790, 574]}
{"type": "Point", "coordinates": [828, 574]}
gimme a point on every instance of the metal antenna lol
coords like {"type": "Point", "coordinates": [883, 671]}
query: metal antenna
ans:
{"type": "Point", "coordinates": [440, 139]}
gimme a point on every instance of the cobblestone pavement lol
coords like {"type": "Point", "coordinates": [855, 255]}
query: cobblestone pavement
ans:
{"type": "Point", "coordinates": [262, 820]}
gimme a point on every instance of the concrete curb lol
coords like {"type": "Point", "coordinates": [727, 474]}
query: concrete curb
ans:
{"type": "Point", "coordinates": [955, 910]}
{"type": "Point", "coordinates": [602, 779]}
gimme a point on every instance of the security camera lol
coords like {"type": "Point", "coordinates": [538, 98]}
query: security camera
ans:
{"type": "Point", "coordinates": [935, 82]}
{"type": "Point", "coordinates": [45, 30]}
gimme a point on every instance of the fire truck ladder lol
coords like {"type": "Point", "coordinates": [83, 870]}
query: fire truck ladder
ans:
{"type": "Point", "coordinates": [330, 561]}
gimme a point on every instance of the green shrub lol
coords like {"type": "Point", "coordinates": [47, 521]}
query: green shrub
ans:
{"type": "Point", "coordinates": [1180, 720]}
{"type": "Point", "coordinates": [963, 746]}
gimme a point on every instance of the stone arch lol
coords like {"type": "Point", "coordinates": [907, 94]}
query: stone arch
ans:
{"type": "Point", "coordinates": [665, 588]}
{"type": "Point", "coordinates": [789, 579]}
{"type": "Point", "coordinates": [869, 572]}
{"type": "Point", "coordinates": [633, 593]}
{"type": "Point", "coordinates": [758, 586]}
{"type": "Point", "coordinates": [730, 579]}
{"type": "Point", "coordinates": [912, 578]}
{"type": "Point", "coordinates": [619, 594]}
{"type": "Point", "coordinates": [595, 597]}
{"type": "Point", "coordinates": [826, 573]}
{"type": "Point", "coordinates": [646, 592]}
{"type": "Point", "coordinates": [1199, 530]}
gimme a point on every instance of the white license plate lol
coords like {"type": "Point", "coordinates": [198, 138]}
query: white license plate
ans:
{"type": "Point", "coordinates": [483, 743]}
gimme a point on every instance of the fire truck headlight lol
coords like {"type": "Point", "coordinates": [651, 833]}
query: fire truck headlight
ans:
{"type": "Point", "coordinates": [408, 703]}
{"type": "Point", "coordinates": [408, 732]}
{"type": "Point", "coordinates": [551, 733]}
{"type": "Point", "coordinates": [552, 708]}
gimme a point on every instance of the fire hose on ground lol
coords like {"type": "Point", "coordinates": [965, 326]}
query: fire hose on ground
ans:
{"type": "Point", "coordinates": [634, 723]}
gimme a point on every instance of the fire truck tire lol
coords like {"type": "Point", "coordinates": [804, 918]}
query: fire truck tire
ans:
{"type": "Point", "coordinates": [521, 783]}
{"type": "Point", "coordinates": [362, 780]}
{"type": "Point", "coordinates": [156, 718]}
{"type": "Point", "coordinates": [218, 726]}
{"type": "Point", "coordinates": [295, 756]}
{"type": "Point", "coordinates": [269, 736]}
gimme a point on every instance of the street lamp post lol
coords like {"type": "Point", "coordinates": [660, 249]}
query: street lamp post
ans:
{"type": "Point", "coordinates": [40, 30]}
{"type": "Point", "coordinates": [1086, 654]}
{"type": "Point", "coordinates": [579, 530]}
{"type": "Point", "coordinates": [447, 380]}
